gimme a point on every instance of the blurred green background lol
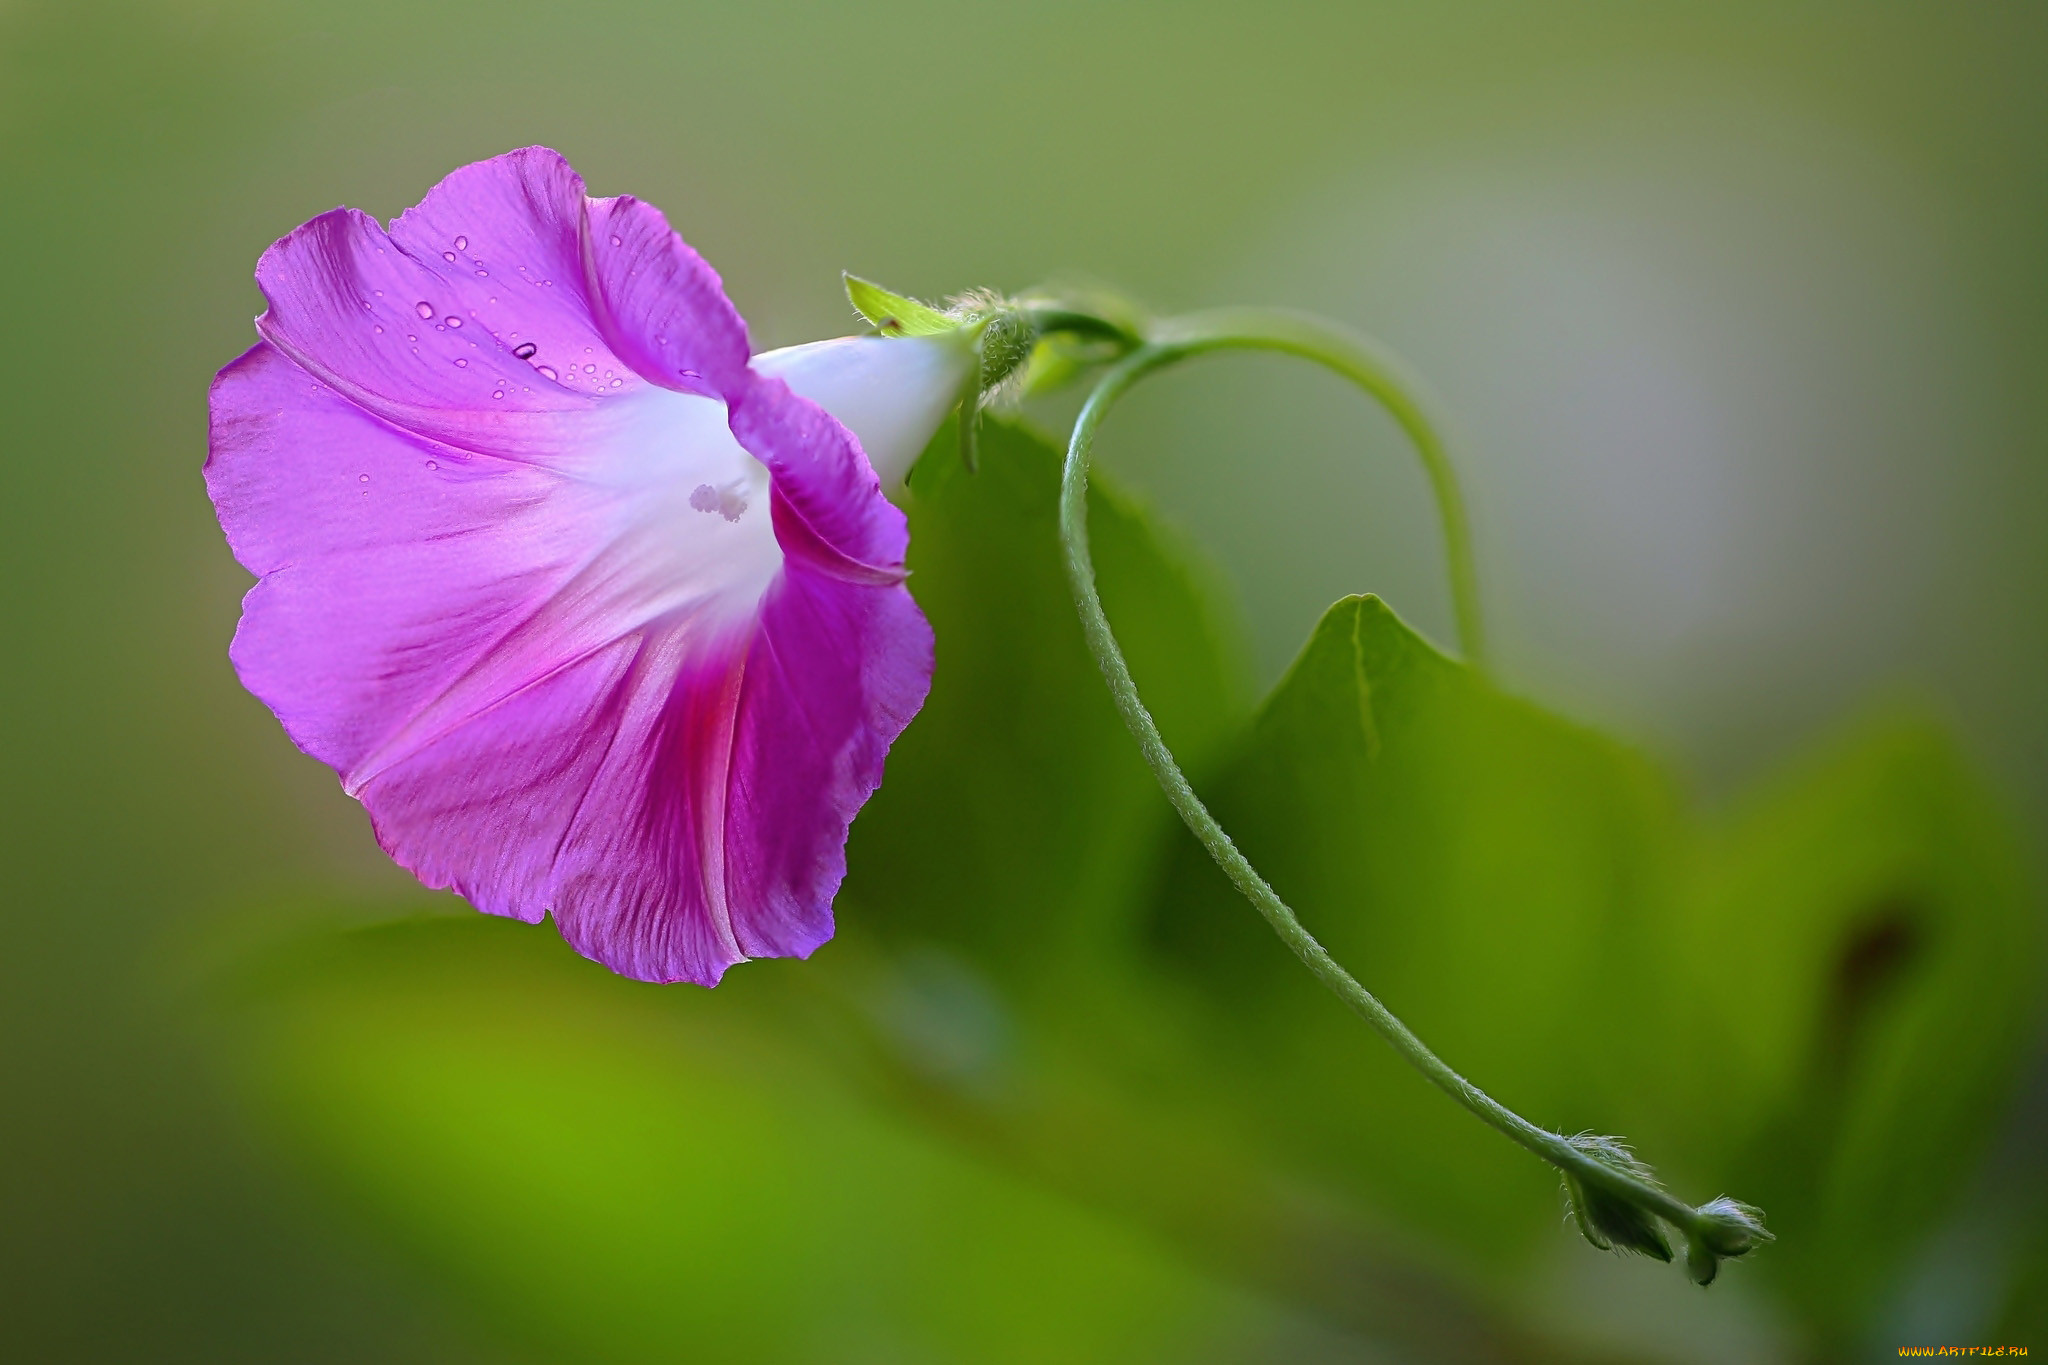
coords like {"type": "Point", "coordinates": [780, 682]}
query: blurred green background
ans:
{"type": "Point", "coordinates": [1742, 311]}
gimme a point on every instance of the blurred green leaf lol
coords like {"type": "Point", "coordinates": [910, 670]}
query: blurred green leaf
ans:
{"type": "Point", "coordinates": [632, 1174]}
{"type": "Point", "coordinates": [1056, 361]}
{"type": "Point", "coordinates": [1017, 819]}
{"type": "Point", "coordinates": [1481, 865]}
{"type": "Point", "coordinates": [1815, 1003]}
{"type": "Point", "coordinates": [1003, 873]}
{"type": "Point", "coordinates": [1858, 958]}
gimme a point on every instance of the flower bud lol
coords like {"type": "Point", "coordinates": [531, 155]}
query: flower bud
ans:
{"type": "Point", "coordinates": [1731, 1228]}
{"type": "Point", "coordinates": [1727, 1228]}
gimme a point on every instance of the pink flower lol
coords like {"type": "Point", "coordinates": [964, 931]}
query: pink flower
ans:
{"type": "Point", "coordinates": [597, 616]}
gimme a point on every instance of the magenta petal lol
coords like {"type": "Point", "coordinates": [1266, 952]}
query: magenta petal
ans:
{"type": "Point", "coordinates": [389, 563]}
{"type": "Point", "coordinates": [833, 514]}
{"type": "Point", "coordinates": [662, 303]}
{"type": "Point", "coordinates": [598, 793]}
{"type": "Point", "coordinates": [658, 296]}
{"type": "Point", "coordinates": [744, 785]}
{"type": "Point", "coordinates": [496, 348]}
{"type": "Point", "coordinates": [575, 650]}
{"type": "Point", "coordinates": [802, 785]}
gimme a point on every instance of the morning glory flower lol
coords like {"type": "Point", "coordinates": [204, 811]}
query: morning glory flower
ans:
{"type": "Point", "coordinates": [598, 614]}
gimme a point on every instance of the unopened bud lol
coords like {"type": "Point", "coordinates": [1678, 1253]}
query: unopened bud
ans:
{"type": "Point", "coordinates": [1730, 1227]}
{"type": "Point", "coordinates": [1727, 1228]}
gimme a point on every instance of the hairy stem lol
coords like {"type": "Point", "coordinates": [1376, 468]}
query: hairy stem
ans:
{"type": "Point", "coordinates": [1372, 369]}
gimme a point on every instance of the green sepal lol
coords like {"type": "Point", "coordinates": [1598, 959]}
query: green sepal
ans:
{"type": "Point", "coordinates": [1053, 365]}
{"type": "Point", "coordinates": [1611, 1221]}
{"type": "Point", "coordinates": [968, 423]}
{"type": "Point", "coordinates": [895, 314]}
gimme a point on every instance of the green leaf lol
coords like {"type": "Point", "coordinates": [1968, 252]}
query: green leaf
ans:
{"type": "Point", "coordinates": [1860, 964]}
{"type": "Point", "coordinates": [1017, 819]}
{"type": "Point", "coordinates": [1815, 1003]}
{"type": "Point", "coordinates": [895, 314]}
{"type": "Point", "coordinates": [1002, 874]}
{"type": "Point", "coordinates": [1482, 866]}
{"type": "Point", "coordinates": [629, 1174]}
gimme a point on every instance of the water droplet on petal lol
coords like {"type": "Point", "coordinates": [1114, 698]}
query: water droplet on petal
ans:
{"type": "Point", "coordinates": [547, 372]}
{"type": "Point", "coordinates": [525, 350]}
{"type": "Point", "coordinates": [432, 465]}
{"type": "Point", "coordinates": [484, 275]}
{"type": "Point", "coordinates": [423, 308]}
{"type": "Point", "coordinates": [461, 364]}
{"type": "Point", "coordinates": [378, 292]}
{"type": "Point", "coordinates": [462, 243]}
{"type": "Point", "coordinates": [618, 383]}
{"type": "Point", "coordinates": [616, 241]}
{"type": "Point", "coordinates": [362, 478]}
{"type": "Point", "coordinates": [448, 256]}
{"type": "Point", "coordinates": [590, 369]}
{"type": "Point", "coordinates": [379, 329]}
{"type": "Point", "coordinates": [410, 337]}
{"type": "Point", "coordinates": [453, 321]}
{"type": "Point", "coordinates": [497, 393]}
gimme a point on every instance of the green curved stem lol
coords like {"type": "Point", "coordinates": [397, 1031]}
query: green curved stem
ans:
{"type": "Point", "coordinates": [1351, 357]}
{"type": "Point", "coordinates": [1366, 364]}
